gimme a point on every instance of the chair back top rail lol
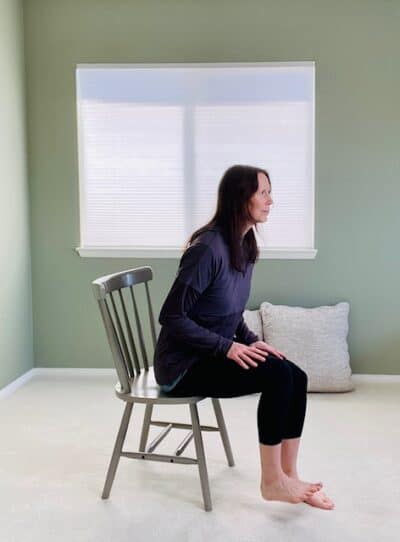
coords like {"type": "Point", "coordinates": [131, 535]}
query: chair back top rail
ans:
{"type": "Point", "coordinates": [108, 283]}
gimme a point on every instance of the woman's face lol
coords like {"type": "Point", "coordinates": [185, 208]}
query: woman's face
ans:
{"type": "Point", "coordinates": [260, 202]}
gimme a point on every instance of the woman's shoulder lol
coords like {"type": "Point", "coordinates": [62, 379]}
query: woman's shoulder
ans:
{"type": "Point", "coordinates": [211, 236]}
{"type": "Point", "coordinates": [213, 239]}
{"type": "Point", "coordinates": [200, 261]}
{"type": "Point", "coordinates": [206, 237]}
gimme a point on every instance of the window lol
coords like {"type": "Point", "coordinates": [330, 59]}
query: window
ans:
{"type": "Point", "coordinates": [154, 141]}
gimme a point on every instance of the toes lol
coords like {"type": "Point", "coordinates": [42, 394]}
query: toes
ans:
{"type": "Point", "coordinates": [320, 500]}
{"type": "Point", "coordinates": [327, 501]}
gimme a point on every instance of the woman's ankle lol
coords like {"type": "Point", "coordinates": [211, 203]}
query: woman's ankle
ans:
{"type": "Point", "coordinates": [271, 467]}
{"type": "Point", "coordinates": [291, 473]}
{"type": "Point", "coordinates": [272, 478]}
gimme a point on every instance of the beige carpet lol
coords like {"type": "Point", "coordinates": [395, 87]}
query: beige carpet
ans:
{"type": "Point", "coordinates": [57, 433]}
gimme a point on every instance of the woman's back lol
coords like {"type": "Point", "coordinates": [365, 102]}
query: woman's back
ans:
{"type": "Point", "coordinates": [203, 308]}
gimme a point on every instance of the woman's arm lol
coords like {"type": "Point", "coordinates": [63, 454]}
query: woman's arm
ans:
{"type": "Point", "coordinates": [196, 271]}
{"type": "Point", "coordinates": [244, 335]}
{"type": "Point", "coordinates": [174, 317]}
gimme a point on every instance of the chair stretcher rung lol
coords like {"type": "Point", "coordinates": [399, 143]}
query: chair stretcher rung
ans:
{"type": "Point", "coordinates": [160, 457]}
{"type": "Point", "coordinates": [184, 425]}
{"type": "Point", "coordinates": [184, 443]}
{"type": "Point", "coordinates": [154, 443]}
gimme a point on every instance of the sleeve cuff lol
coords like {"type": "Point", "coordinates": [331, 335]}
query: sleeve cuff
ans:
{"type": "Point", "coordinates": [224, 345]}
{"type": "Point", "coordinates": [252, 338]}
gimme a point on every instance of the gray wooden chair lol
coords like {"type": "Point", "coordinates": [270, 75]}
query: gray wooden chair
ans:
{"type": "Point", "coordinates": [117, 303]}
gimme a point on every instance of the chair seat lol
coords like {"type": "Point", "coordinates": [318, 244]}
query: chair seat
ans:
{"type": "Point", "coordinates": [144, 389]}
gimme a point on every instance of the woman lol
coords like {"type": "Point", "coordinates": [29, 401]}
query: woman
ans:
{"type": "Point", "coordinates": [205, 348]}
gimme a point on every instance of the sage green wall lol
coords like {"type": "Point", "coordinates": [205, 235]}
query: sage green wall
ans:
{"type": "Point", "coordinates": [16, 341]}
{"type": "Point", "coordinates": [355, 45]}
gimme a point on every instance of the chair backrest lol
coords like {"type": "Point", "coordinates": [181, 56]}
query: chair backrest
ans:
{"type": "Point", "coordinates": [117, 302]}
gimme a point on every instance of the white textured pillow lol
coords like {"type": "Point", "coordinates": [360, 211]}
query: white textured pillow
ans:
{"type": "Point", "coordinates": [314, 339]}
{"type": "Point", "coordinates": [254, 322]}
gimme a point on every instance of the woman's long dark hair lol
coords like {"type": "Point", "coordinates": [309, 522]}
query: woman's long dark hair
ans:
{"type": "Point", "coordinates": [236, 187]}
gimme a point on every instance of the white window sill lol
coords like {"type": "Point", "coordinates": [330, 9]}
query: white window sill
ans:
{"type": "Point", "coordinates": [176, 252]}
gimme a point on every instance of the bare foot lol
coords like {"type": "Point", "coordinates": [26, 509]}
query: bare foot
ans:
{"type": "Point", "coordinates": [320, 500]}
{"type": "Point", "coordinates": [301, 484]}
{"type": "Point", "coordinates": [287, 490]}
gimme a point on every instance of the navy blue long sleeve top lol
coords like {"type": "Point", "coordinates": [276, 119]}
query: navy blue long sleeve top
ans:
{"type": "Point", "coordinates": [203, 312]}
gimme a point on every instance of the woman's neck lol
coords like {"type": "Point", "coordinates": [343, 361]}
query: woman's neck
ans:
{"type": "Point", "coordinates": [246, 229]}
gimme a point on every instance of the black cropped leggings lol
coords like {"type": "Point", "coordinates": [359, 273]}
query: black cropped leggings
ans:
{"type": "Point", "coordinates": [283, 386]}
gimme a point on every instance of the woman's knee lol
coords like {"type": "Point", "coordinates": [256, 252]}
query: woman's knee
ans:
{"type": "Point", "coordinates": [276, 371]}
{"type": "Point", "coordinates": [300, 377]}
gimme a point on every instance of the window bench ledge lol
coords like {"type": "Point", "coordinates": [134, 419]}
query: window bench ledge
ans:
{"type": "Point", "coordinates": [176, 252]}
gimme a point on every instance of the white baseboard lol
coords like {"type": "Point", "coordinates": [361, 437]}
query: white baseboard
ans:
{"type": "Point", "coordinates": [15, 384]}
{"type": "Point", "coordinates": [62, 371]}
{"type": "Point", "coordinates": [375, 378]}
{"type": "Point", "coordinates": [70, 371]}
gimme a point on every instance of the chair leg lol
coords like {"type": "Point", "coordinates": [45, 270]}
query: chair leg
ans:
{"type": "Point", "coordinates": [223, 431]}
{"type": "Point", "coordinates": [198, 441]}
{"type": "Point", "coordinates": [146, 427]}
{"type": "Point", "coordinates": [117, 450]}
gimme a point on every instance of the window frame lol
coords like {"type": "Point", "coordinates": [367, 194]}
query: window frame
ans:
{"type": "Point", "coordinates": [176, 251]}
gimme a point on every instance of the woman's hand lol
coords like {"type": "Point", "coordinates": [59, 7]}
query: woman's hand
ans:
{"type": "Point", "coordinates": [242, 354]}
{"type": "Point", "coordinates": [265, 347]}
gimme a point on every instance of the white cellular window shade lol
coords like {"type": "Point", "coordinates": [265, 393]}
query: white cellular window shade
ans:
{"type": "Point", "coordinates": [154, 141]}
